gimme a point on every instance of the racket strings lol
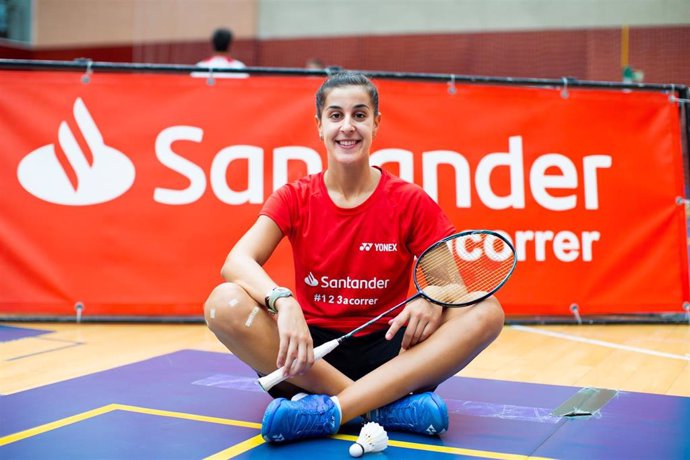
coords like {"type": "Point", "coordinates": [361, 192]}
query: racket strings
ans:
{"type": "Point", "coordinates": [464, 269]}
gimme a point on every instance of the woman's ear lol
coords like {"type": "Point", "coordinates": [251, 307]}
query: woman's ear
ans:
{"type": "Point", "coordinates": [318, 126]}
{"type": "Point", "coordinates": [377, 121]}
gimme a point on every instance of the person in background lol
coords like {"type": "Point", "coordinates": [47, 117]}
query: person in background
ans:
{"type": "Point", "coordinates": [221, 40]}
{"type": "Point", "coordinates": [314, 64]}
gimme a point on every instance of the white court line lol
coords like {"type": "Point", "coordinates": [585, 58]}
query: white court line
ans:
{"type": "Point", "coordinates": [602, 343]}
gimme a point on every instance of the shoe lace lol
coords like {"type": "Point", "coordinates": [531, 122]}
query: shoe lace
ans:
{"type": "Point", "coordinates": [398, 414]}
{"type": "Point", "coordinates": [315, 421]}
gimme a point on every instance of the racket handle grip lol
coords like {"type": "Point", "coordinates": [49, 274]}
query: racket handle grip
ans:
{"type": "Point", "coordinates": [274, 378]}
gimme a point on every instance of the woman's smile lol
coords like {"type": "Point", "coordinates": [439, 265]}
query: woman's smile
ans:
{"type": "Point", "coordinates": [347, 143]}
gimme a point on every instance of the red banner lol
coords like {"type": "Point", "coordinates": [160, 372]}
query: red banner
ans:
{"type": "Point", "coordinates": [125, 193]}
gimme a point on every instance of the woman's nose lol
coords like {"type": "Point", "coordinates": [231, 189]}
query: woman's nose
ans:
{"type": "Point", "coordinates": [347, 124]}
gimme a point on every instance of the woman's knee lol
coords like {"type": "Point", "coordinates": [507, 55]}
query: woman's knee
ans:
{"type": "Point", "coordinates": [492, 316]}
{"type": "Point", "coordinates": [226, 305]}
{"type": "Point", "coordinates": [486, 318]}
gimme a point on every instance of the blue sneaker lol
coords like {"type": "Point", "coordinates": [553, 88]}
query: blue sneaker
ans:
{"type": "Point", "coordinates": [308, 417]}
{"type": "Point", "coordinates": [423, 413]}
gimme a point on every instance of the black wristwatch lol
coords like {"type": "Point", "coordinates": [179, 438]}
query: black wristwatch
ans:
{"type": "Point", "coordinates": [275, 294]}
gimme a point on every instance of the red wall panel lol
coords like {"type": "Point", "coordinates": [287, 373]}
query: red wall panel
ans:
{"type": "Point", "coordinates": [126, 193]}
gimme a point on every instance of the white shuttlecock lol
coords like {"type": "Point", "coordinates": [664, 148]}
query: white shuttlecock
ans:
{"type": "Point", "coordinates": [372, 438]}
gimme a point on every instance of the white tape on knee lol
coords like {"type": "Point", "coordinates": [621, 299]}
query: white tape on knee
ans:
{"type": "Point", "coordinates": [252, 315]}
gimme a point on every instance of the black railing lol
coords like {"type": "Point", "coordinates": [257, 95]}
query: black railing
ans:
{"type": "Point", "coordinates": [87, 65]}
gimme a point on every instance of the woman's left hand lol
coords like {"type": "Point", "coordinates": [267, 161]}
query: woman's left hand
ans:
{"type": "Point", "coordinates": [422, 319]}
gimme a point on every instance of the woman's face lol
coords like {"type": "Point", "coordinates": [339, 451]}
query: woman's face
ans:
{"type": "Point", "coordinates": [348, 124]}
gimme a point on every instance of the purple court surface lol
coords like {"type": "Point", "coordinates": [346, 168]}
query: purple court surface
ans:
{"type": "Point", "coordinates": [8, 333]}
{"type": "Point", "coordinates": [195, 404]}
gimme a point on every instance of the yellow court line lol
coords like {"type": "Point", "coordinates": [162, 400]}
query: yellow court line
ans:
{"type": "Point", "coordinates": [186, 416]}
{"type": "Point", "coordinates": [112, 407]}
{"type": "Point", "coordinates": [447, 449]}
{"type": "Point", "coordinates": [237, 449]}
{"type": "Point", "coordinates": [55, 425]}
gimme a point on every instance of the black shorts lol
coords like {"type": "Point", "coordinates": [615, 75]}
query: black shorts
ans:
{"type": "Point", "coordinates": [355, 357]}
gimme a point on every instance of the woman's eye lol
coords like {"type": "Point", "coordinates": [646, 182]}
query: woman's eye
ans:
{"type": "Point", "coordinates": [334, 116]}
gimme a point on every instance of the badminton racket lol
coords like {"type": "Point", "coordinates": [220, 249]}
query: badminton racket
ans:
{"type": "Point", "coordinates": [457, 271]}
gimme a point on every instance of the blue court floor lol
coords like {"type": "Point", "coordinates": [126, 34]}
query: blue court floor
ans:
{"type": "Point", "coordinates": [198, 404]}
{"type": "Point", "coordinates": [8, 333]}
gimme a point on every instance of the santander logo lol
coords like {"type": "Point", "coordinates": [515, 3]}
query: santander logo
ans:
{"type": "Point", "coordinates": [97, 176]}
{"type": "Point", "coordinates": [310, 280]}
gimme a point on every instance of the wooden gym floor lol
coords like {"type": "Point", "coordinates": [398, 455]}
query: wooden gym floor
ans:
{"type": "Point", "coordinates": [641, 358]}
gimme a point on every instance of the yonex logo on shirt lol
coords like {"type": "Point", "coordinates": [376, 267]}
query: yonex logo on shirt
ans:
{"type": "Point", "coordinates": [379, 247]}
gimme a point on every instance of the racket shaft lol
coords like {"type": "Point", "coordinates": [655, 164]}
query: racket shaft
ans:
{"type": "Point", "coordinates": [376, 319]}
{"type": "Point", "coordinates": [269, 381]}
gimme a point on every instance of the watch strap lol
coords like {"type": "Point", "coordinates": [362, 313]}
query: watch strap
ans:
{"type": "Point", "coordinates": [275, 294]}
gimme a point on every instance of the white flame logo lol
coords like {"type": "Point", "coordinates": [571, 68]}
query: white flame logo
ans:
{"type": "Point", "coordinates": [311, 280]}
{"type": "Point", "coordinates": [103, 176]}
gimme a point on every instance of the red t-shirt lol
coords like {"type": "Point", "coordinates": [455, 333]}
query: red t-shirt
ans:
{"type": "Point", "coordinates": [353, 264]}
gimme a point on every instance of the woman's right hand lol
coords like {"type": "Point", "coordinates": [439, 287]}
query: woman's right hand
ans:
{"type": "Point", "coordinates": [296, 351]}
